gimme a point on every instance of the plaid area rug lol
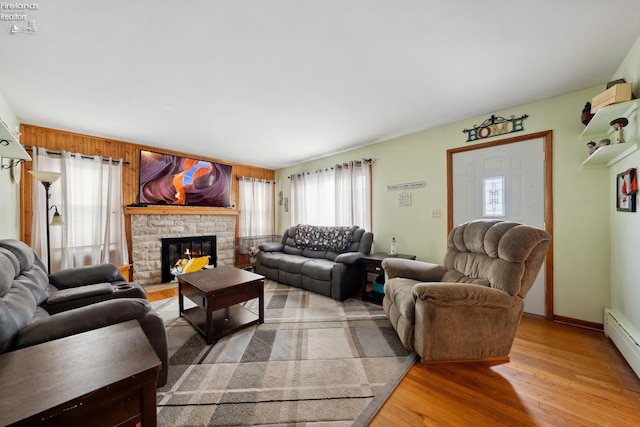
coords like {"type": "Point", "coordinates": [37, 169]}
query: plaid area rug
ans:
{"type": "Point", "coordinates": [315, 362]}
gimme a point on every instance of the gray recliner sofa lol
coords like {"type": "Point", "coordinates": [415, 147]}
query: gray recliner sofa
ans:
{"type": "Point", "coordinates": [324, 260]}
{"type": "Point", "coordinates": [25, 319]}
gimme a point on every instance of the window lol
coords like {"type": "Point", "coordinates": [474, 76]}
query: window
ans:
{"type": "Point", "coordinates": [256, 207]}
{"type": "Point", "coordinates": [257, 215]}
{"type": "Point", "coordinates": [340, 195]}
{"type": "Point", "coordinates": [89, 198]}
{"type": "Point", "coordinates": [493, 197]}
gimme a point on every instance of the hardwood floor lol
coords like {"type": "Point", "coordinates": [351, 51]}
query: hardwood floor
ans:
{"type": "Point", "coordinates": [162, 294]}
{"type": "Point", "coordinates": [558, 376]}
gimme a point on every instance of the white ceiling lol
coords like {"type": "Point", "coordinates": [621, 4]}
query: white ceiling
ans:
{"type": "Point", "coordinates": [277, 82]}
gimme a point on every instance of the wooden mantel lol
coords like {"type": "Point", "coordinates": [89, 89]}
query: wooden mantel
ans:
{"type": "Point", "coordinates": [178, 210]}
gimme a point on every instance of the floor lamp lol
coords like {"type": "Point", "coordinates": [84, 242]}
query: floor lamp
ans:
{"type": "Point", "coordinates": [48, 178]}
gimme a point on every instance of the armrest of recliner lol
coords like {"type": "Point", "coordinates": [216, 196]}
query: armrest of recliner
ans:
{"type": "Point", "coordinates": [80, 320]}
{"type": "Point", "coordinates": [271, 247]}
{"type": "Point", "coordinates": [86, 275]}
{"type": "Point", "coordinates": [461, 294]}
{"type": "Point", "coordinates": [81, 292]}
{"type": "Point", "coordinates": [153, 326]}
{"type": "Point", "coordinates": [412, 269]}
{"type": "Point", "coordinates": [349, 257]}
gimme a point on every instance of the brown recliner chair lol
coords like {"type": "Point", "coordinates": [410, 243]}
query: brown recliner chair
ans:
{"type": "Point", "coordinates": [468, 308]}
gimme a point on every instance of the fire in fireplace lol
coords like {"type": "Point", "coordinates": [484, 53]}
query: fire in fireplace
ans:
{"type": "Point", "coordinates": [177, 248]}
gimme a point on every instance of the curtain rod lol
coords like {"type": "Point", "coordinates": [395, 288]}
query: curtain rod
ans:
{"type": "Point", "coordinates": [82, 156]}
{"type": "Point", "coordinates": [248, 178]}
{"type": "Point", "coordinates": [338, 165]}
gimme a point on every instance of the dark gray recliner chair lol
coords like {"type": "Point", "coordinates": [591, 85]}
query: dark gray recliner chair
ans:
{"type": "Point", "coordinates": [25, 320]}
{"type": "Point", "coordinates": [77, 287]}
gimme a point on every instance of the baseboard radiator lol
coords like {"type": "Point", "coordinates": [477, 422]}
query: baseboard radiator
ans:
{"type": "Point", "coordinates": [624, 340]}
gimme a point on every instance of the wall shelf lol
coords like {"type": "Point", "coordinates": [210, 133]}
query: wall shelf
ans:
{"type": "Point", "coordinates": [599, 124]}
{"type": "Point", "coordinates": [10, 147]}
{"type": "Point", "coordinates": [606, 156]}
{"type": "Point", "coordinates": [599, 128]}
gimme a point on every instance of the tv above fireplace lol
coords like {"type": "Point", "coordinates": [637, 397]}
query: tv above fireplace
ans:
{"type": "Point", "coordinates": [166, 179]}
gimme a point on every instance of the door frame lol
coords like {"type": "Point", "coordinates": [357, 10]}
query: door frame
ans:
{"type": "Point", "coordinates": [547, 137]}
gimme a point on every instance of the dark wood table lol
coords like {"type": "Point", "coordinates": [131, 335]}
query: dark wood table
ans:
{"type": "Point", "coordinates": [217, 293]}
{"type": "Point", "coordinates": [103, 377]}
{"type": "Point", "coordinates": [373, 264]}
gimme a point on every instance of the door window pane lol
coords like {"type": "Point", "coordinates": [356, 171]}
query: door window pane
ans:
{"type": "Point", "coordinates": [493, 197]}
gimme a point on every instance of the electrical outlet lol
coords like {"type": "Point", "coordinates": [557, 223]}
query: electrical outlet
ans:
{"type": "Point", "coordinates": [435, 213]}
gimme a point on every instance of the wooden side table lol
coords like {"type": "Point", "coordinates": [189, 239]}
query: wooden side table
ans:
{"type": "Point", "coordinates": [103, 377]}
{"type": "Point", "coordinates": [125, 270]}
{"type": "Point", "coordinates": [373, 264]}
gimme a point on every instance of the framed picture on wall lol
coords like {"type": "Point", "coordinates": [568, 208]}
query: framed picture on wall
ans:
{"type": "Point", "coordinates": [626, 189]}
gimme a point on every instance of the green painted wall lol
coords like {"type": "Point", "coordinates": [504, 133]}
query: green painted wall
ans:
{"type": "Point", "coordinates": [9, 194]}
{"type": "Point", "coordinates": [9, 215]}
{"type": "Point", "coordinates": [581, 218]}
{"type": "Point", "coordinates": [625, 227]}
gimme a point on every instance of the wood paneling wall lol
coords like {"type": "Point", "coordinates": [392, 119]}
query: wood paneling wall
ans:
{"type": "Point", "coordinates": [57, 140]}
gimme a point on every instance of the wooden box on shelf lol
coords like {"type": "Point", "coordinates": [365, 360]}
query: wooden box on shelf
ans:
{"type": "Point", "coordinates": [615, 94]}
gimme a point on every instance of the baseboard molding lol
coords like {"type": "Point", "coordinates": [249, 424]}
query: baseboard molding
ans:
{"type": "Point", "coordinates": [492, 360]}
{"type": "Point", "coordinates": [579, 323]}
{"type": "Point", "coordinates": [623, 338]}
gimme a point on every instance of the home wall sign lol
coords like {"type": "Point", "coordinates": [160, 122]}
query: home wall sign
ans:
{"type": "Point", "coordinates": [494, 126]}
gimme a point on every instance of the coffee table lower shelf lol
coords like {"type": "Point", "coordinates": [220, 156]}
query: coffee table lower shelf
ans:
{"type": "Point", "coordinates": [223, 321]}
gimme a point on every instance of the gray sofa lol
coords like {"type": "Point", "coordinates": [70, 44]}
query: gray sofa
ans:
{"type": "Point", "coordinates": [324, 260]}
{"type": "Point", "coordinates": [36, 308]}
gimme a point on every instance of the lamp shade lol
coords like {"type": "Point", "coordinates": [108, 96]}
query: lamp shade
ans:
{"type": "Point", "coordinates": [57, 219]}
{"type": "Point", "coordinates": [44, 176]}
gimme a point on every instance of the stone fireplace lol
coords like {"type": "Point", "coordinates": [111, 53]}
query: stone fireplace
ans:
{"type": "Point", "coordinates": [175, 249]}
{"type": "Point", "coordinates": [148, 231]}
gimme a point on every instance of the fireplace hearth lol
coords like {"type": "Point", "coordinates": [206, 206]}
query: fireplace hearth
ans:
{"type": "Point", "coordinates": [186, 247]}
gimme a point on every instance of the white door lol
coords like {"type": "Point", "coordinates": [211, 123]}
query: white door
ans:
{"type": "Point", "coordinates": [506, 182]}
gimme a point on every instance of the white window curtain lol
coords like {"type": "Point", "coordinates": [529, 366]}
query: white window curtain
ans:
{"type": "Point", "coordinates": [88, 195]}
{"type": "Point", "coordinates": [257, 214]}
{"type": "Point", "coordinates": [340, 195]}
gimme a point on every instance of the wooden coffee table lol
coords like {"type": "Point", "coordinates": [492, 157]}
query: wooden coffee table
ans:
{"type": "Point", "coordinates": [217, 293]}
